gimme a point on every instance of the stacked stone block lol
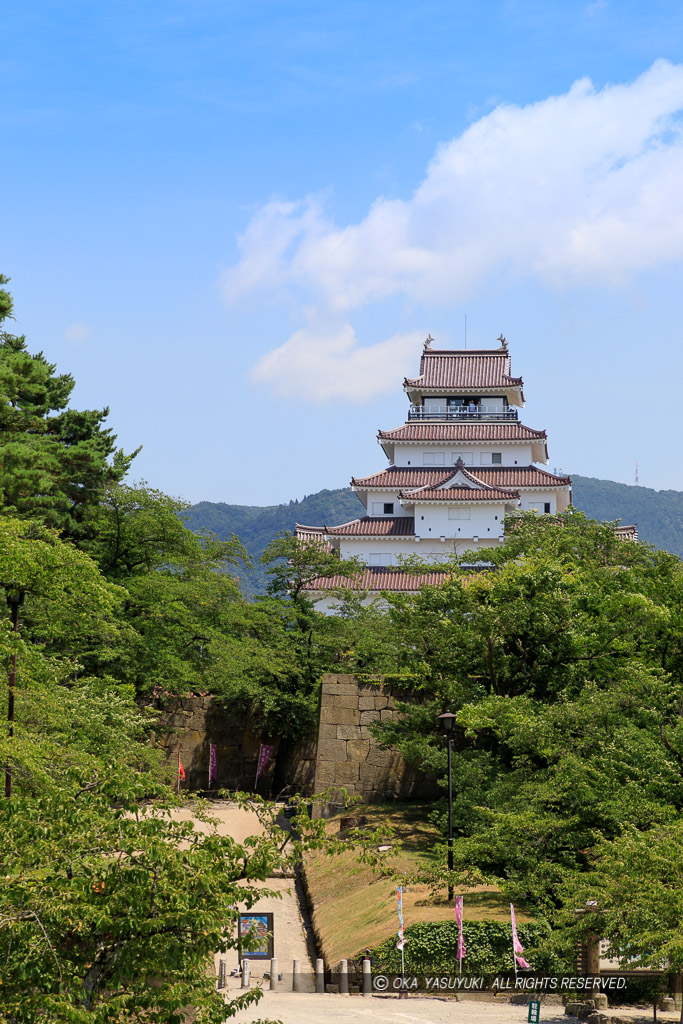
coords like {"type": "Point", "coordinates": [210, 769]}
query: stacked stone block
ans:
{"type": "Point", "coordinates": [349, 756]}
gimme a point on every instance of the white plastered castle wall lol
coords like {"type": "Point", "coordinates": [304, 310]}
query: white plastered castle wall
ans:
{"type": "Point", "coordinates": [433, 520]}
{"type": "Point", "coordinates": [472, 454]}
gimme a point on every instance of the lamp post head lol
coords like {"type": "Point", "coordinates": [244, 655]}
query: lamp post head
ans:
{"type": "Point", "coordinates": [447, 720]}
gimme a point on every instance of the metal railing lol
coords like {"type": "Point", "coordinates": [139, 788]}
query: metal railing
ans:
{"type": "Point", "coordinates": [461, 415]}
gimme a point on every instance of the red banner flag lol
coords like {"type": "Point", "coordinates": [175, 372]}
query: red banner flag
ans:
{"type": "Point", "coordinates": [460, 952]}
{"type": "Point", "coordinates": [517, 947]}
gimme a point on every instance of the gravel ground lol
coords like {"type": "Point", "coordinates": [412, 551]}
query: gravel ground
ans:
{"type": "Point", "coordinates": [295, 1008]}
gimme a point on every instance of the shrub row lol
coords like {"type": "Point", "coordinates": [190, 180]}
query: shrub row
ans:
{"type": "Point", "coordinates": [431, 948]}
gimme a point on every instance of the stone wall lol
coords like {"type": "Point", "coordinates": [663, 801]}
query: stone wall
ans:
{"type": "Point", "coordinates": [195, 722]}
{"type": "Point", "coordinates": [345, 753]}
{"type": "Point", "coordinates": [349, 755]}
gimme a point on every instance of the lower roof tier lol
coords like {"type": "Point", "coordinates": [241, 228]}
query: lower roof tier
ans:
{"type": "Point", "coordinates": [381, 578]}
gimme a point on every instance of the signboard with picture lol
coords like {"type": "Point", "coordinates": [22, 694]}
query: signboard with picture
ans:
{"type": "Point", "coordinates": [256, 930]}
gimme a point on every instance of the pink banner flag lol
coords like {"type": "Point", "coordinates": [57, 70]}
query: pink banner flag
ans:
{"type": "Point", "coordinates": [213, 763]}
{"type": "Point", "coordinates": [264, 755]}
{"type": "Point", "coordinates": [461, 942]}
{"type": "Point", "coordinates": [517, 947]}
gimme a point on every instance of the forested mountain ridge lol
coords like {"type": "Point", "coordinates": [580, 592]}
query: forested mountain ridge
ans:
{"type": "Point", "coordinates": [658, 515]}
{"type": "Point", "coordinates": [257, 525]}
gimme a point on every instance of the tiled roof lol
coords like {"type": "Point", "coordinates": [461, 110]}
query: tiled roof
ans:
{"type": "Point", "coordinates": [626, 532]}
{"type": "Point", "coordinates": [462, 432]}
{"type": "Point", "coordinates": [469, 494]}
{"type": "Point", "coordinates": [520, 476]}
{"type": "Point", "coordinates": [404, 476]}
{"type": "Point", "coordinates": [463, 368]}
{"type": "Point", "coordinates": [387, 526]}
{"type": "Point", "coordinates": [304, 531]}
{"type": "Point", "coordinates": [407, 477]}
{"type": "Point", "coordinates": [313, 535]}
{"type": "Point", "coordinates": [381, 578]}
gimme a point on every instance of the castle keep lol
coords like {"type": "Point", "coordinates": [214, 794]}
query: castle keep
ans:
{"type": "Point", "coordinates": [460, 463]}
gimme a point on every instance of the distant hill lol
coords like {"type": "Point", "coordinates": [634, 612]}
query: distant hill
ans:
{"type": "Point", "coordinates": [658, 515]}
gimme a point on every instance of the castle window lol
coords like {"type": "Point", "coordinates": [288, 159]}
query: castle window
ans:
{"type": "Point", "coordinates": [433, 459]}
{"type": "Point", "coordinates": [496, 458]}
{"type": "Point", "coordinates": [459, 513]}
{"type": "Point", "coordinates": [388, 508]}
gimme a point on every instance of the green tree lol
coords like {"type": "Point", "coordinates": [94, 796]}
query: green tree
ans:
{"type": "Point", "coordinates": [633, 897]}
{"type": "Point", "coordinates": [56, 461]}
{"type": "Point", "coordinates": [110, 909]}
{"type": "Point", "coordinates": [295, 564]}
{"type": "Point", "coordinates": [564, 669]}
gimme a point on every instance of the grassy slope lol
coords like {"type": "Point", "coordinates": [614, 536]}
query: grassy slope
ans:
{"type": "Point", "coordinates": [355, 909]}
{"type": "Point", "coordinates": [659, 515]}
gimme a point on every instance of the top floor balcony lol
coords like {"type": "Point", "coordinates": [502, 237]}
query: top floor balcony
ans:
{"type": "Point", "coordinates": [461, 414]}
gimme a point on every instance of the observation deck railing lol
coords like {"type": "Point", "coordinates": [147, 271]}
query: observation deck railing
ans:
{"type": "Point", "coordinates": [461, 415]}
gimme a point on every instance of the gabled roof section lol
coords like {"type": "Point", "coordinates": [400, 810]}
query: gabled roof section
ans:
{"type": "Point", "coordinates": [461, 485]}
{"type": "Point", "coordinates": [367, 526]}
{"type": "Point", "coordinates": [455, 369]}
{"type": "Point", "coordinates": [462, 477]}
{"type": "Point", "coordinates": [407, 477]}
{"type": "Point", "coordinates": [468, 495]}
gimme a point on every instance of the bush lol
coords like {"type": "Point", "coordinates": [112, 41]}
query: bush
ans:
{"type": "Point", "coordinates": [431, 949]}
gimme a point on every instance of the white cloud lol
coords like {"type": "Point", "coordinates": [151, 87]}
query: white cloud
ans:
{"type": "Point", "coordinates": [77, 332]}
{"type": "Point", "coordinates": [328, 363]}
{"type": "Point", "coordinates": [578, 184]}
{"type": "Point", "coordinates": [579, 188]}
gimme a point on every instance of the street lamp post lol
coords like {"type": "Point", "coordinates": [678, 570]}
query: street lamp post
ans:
{"type": "Point", "coordinates": [15, 598]}
{"type": "Point", "coordinates": [447, 721]}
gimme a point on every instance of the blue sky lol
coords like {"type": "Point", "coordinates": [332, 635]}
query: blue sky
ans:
{"type": "Point", "coordinates": [235, 222]}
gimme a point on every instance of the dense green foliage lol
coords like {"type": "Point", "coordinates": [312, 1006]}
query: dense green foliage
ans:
{"type": "Point", "coordinates": [111, 908]}
{"type": "Point", "coordinates": [564, 667]}
{"type": "Point", "coordinates": [658, 515]}
{"type": "Point", "coordinates": [431, 948]}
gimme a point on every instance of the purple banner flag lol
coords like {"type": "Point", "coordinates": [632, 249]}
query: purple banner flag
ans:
{"type": "Point", "coordinates": [264, 755]}
{"type": "Point", "coordinates": [213, 763]}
